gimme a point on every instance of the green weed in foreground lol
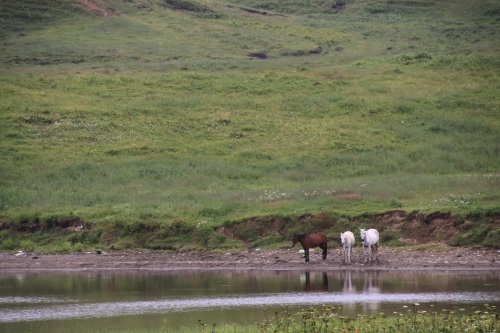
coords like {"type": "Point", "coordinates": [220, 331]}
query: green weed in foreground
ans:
{"type": "Point", "coordinates": [328, 319]}
{"type": "Point", "coordinates": [410, 319]}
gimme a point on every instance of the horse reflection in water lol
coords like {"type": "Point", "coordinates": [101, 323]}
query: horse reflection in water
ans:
{"type": "Point", "coordinates": [316, 286]}
{"type": "Point", "coordinates": [371, 286]}
{"type": "Point", "coordinates": [349, 288]}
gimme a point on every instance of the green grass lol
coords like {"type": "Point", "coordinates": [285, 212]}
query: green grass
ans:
{"type": "Point", "coordinates": [413, 318]}
{"type": "Point", "coordinates": [159, 115]}
{"type": "Point", "coordinates": [408, 319]}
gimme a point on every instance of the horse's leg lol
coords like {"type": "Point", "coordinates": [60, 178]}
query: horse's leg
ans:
{"type": "Point", "coordinates": [349, 249]}
{"type": "Point", "coordinates": [306, 252]}
{"type": "Point", "coordinates": [325, 251]}
{"type": "Point", "coordinates": [372, 252]}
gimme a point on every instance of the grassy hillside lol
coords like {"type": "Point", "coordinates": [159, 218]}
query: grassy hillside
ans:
{"type": "Point", "coordinates": [199, 113]}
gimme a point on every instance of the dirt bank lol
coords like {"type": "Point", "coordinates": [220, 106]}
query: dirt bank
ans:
{"type": "Point", "coordinates": [443, 258]}
{"type": "Point", "coordinates": [98, 7]}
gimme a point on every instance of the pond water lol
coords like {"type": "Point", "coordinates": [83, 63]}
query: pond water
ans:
{"type": "Point", "coordinates": [147, 299]}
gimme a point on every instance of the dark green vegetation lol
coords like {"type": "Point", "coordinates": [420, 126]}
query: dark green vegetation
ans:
{"type": "Point", "coordinates": [154, 123]}
{"type": "Point", "coordinates": [412, 318]}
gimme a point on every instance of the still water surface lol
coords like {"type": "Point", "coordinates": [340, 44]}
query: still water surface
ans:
{"type": "Point", "coordinates": [136, 300]}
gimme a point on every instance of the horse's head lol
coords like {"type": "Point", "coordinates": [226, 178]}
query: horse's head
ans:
{"type": "Point", "coordinates": [362, 233]}
{"type": "Point", "coordinates": [295, 239]}
{"type": "Point", "coordinates": [342, 238]}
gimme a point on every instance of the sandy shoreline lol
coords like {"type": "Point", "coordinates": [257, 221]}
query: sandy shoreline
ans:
{"type": "Point", "coordinates": [390, 259]}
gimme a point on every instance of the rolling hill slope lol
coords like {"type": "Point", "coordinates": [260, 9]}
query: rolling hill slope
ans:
{"type": "Point", "coordinates": [201, 113]}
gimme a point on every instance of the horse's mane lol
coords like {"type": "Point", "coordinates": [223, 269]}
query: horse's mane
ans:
{"type": "Point", "coordinates": [301, 236]}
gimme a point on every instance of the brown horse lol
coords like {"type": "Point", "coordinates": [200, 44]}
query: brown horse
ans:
{"type": "Point", "coordinates": [311, 240]}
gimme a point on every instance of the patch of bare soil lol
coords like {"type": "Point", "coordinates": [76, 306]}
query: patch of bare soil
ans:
{"type": "Point", "coordinates": [443, 258]}
{"type": "Point", "coordinates": [98, 7]}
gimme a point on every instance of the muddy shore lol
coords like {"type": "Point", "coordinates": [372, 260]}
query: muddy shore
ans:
{"type": "Point", "coordinates": [389, 259]}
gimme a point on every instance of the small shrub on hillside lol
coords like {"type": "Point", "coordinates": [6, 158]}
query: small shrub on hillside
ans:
{"type": "Point", "coordinates": [202, 233]}
{"type": "Point", "coordinates": [268, 240]}
{"type": "Point", "coordinates": [179, 227]}
{"type": "Point", "coordinates": [108, 237]}
{"type": "Point", "coordinates": [133, 227]}
{"type": "Point", "coordinates": [155, 243]}
{"type": "Point", "coordinates": [26, 217]}
{"type": "Point", "coordinates": [126, 243]}
{"type": "Point", "coordinates": [340, 3]}
{"type": "Point", "coordinates": [246, 232]}
{"type": "Point", "coordinates": [492, 239]}
{"type": "Point", "coordinates": [28, 245]}
{"type": "Point", "coordinates": [86, 237]}
{"type": "Point", "coordinates": [294, 53]}
{"type": "Point", "coordinates": [61, 247]}
{"type": "Point", "coordinates": [10, 244]}
{"type": "Point", "coordinates": [78, 247]}
{"type": "Point", "coordinates": [220, 241]}
{"type": "Point", "coordinates": [474, 236]}
{"type": "Point", "coordinates": [378, 9]}
{"type": "Point", "coordinates": [404, 109]}
{"type": "Point", "coordinates": [395, 203]}
{"type": "Point", "coordinates": [390, 238]}
{"type": "Point", "coordinates": [188, 6]}
{"type": "Point", "coordinates": [4, 234]}
{"type": "Point", "coordinates": [415, 58]}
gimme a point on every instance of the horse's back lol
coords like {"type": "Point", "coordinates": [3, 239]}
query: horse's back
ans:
{"type": "Point", "coordinates": [373, 235]}
{"type": "Point", "coordinates": [318, 237]}
{"type": "Point", "coordinates": [323, 237]}
{"type": "Point", "coordinates": [350, 237]}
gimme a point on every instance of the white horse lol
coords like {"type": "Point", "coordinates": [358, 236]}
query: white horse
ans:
{"type": "Point", "coordinates": [370, 238]}
{"type": "Point", "coordinates": [348, 240]}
